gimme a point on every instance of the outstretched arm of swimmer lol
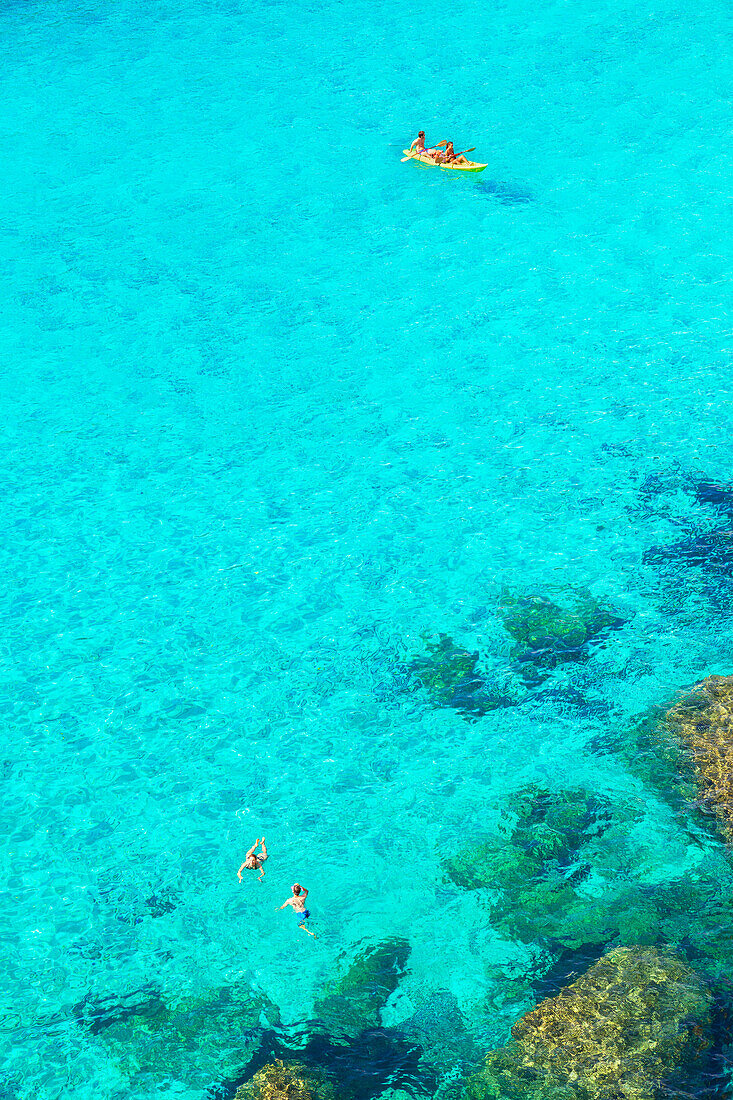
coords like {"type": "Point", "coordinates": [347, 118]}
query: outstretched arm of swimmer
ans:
{"type": "Point", "coordinates": [285, 904]}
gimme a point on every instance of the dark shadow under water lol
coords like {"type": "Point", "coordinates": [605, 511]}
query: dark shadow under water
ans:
{"type": "Point", "coordinates": [508, 194]}
{"type": "Point", "coordinates": [362, 1068]}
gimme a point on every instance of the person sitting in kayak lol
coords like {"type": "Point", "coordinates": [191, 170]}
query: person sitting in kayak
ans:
{"type": "Point", "coordinates": [450, 156]}
{"type": "Point", "coordinates": [418, 147]}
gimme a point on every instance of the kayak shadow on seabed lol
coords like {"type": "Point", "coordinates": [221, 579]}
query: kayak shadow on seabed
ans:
{"type": "Point", "coordinates": [508, 194]}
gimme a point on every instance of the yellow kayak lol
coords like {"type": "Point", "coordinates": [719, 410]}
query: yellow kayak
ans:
{"type": "Point", "coordinates": [472, 165]}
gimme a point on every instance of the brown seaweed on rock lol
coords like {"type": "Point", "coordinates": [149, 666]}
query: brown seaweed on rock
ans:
{"type": "Point", "coordinates": [701, 724]}
{"type": "Point", "coordinates": [291, 1080]}
{"type": "Point", "coordinates": [638, 1018]}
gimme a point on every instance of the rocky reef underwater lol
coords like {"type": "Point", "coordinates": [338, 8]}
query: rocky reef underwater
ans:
{"type": "Point", "coordinates": [633, 997]}
{"type": "Point", "coordinates": [700, 510]}
{"type": "Point", "coordinates": [538, 633]}
{"type": "Point", "coordinates": [631, 974]}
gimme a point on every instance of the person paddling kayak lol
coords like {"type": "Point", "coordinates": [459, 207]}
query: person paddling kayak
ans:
{"type": "Point", "coordinates": [418, 146]}
{"type": "Point", "coordinates": [450, 156]}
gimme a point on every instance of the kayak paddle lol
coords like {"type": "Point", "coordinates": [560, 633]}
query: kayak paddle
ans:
{"type": "Point", "coordinates": [413, 155]}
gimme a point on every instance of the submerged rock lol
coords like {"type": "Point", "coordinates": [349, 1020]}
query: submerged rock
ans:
{"type": "Point", "coordinates": [715, 494]}
{"type": "Point", "coordinates": [99, 1014]}
{"type": "Point", "coordinates": [549, 635]}
{"type": "Point", "coordinates": [686, 754]}
{"type": "Point", "coordinates": [281, 1080]}
{"type": "Point", "coordinates": [541, 830]}
{"type": "Point", "coordinates": [703, 557]}
{"type": "Point", "coordinates": [355, 1001]}
{"type": "Point", "coordinates": [449, 675]}
{"type": "Point", "coordinates": [632, 1022]}
{"type": "Point", "coordinates": [364, 1065]}
{"type": "Point", "coordinates": [706, 938]}
{"type": "Point", "coordinates": [537, 869]}
{"type": "Point", "coordinates": [701, 725]}
{"type": "Point", "coordinates": [652, 756]}
{"type": "Point", "coordinates": [705, 491]}
{"type": "Point", "coordinates": [198, 1040]}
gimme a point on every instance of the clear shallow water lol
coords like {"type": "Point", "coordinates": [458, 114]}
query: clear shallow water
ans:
{"type": "Point", "coordinates": [277, 406]}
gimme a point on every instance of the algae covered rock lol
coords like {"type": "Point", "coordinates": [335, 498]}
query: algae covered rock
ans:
{"type": "Point", "coordinates": [701, 724]}
{"type": "Point", "coordinates": [537, 869]}
{"type": "Point", "coordinates": [486, 864]}
{"type": "Point", "coordinates": [654, 757]}
{"type": "Point", "coordinates": [542, 830]}
{"type": "Point", "coordinates": [548, 634]}
{"type": "Point", "coordinates": [281, 1080]}
{"type": "Point", "coordinates": [354, 1002]}
{"type": "Point", "coordinates": [637, 1019]}
{"type": "Point", "coordinates": [449, 675]}
{"type": "Point", "coordinates": [199, 1040]}
{"type": "Point", "coordinates": [697, 914]}
{"type": "Point", "coordinates": [686, 753]}
{"type": "Point", "coordinates": [714, 493]}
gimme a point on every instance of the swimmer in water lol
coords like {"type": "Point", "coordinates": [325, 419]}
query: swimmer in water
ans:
{"type": "Point", "coordinates": [254, 860]}
{"type": "Point", "coordinates": [298, 903]}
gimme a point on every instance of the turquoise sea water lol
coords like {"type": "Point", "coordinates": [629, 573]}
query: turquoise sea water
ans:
{"type": "Point", "coordinates": [277, 411]}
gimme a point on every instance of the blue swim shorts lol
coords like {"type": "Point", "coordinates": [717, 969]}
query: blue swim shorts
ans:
{"type": "Point", "coordinates": [302, 916]}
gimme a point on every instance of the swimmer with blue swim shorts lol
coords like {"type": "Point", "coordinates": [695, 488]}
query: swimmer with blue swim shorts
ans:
{"type": "Point", "coordinates": [298, 903]}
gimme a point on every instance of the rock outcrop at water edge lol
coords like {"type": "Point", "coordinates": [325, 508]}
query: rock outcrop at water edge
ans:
{"type": "Point", "coordinates": [635, 1020]}
{"type": "Point", "coordinates": [701, 724]}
